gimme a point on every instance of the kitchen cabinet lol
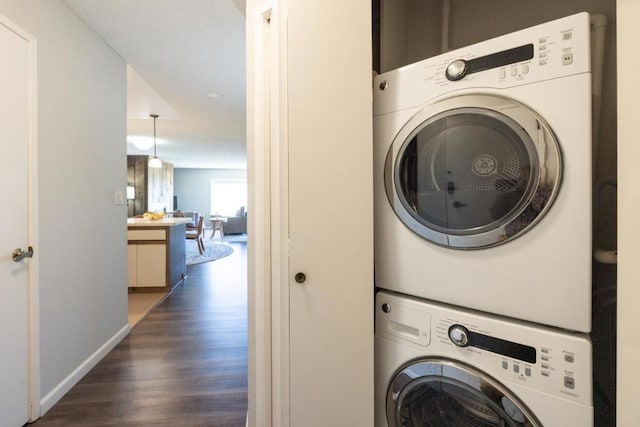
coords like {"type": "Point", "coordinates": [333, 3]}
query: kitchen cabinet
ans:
{"type": "Point", "coordinates": [153, 188]}
{"type": "Point", "coordinates": [156, 254]}
{"type": "Point", "coordinates": [147, 264]}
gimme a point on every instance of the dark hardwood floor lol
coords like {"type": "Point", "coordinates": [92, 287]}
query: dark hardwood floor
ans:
{"type": "Point", "coordinates": [185, 364]}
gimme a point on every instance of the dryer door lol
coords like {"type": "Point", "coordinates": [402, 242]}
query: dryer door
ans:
{"type": "Point", "coordinates": [473, 171]}
{"type": "Point", "coordinates": [441, 392]}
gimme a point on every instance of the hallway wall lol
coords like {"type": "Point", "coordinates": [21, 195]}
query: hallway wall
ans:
{"type": "Point", "coordinates": [82, 161]}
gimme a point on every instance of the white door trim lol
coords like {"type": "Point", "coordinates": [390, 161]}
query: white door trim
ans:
{"type": "Point", "coordinates": [261, 375]}
{"type": "Point", "coordinates": [628, 373]}
{"type": "Point", "coordinates": [268, 227]}
{"type": "Point", "coordinates": [34, 313]}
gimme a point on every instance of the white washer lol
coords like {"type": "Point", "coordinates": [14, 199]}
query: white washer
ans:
{"type": "Point", "coordinates": [482, 161]}
{"type": "Point", "coordinates": [436, 365]}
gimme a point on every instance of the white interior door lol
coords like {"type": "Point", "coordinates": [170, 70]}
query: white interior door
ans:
{"type": "Point", "coordinates": [330, 213]}
{"type": "Point", "coordinates": [14, 221]}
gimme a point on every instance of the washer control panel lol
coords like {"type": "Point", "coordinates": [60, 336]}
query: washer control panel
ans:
{"type": "Point", "coordinates": [546, 359]}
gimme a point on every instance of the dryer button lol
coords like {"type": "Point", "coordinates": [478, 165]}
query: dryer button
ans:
{"type": "Point", "coordinates": [456, 70]}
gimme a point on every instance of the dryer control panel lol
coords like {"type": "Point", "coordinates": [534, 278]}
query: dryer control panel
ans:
{"type": "Point", "coordinates": [534, 356]}
{"type": "Point", "coordinates": [552, 50]}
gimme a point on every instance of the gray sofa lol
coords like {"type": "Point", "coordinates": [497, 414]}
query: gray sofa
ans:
{"type": "Point", "coordinates": [236, 224]}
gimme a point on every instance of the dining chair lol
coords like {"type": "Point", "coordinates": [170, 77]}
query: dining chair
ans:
{"type": "Point", "coordinates": [196, 234]}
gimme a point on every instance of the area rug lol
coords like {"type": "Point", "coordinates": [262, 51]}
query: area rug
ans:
{"type": "Point", "coordinates": [229, 238]}
{"type": "Point", "coordinates": [212, 251]}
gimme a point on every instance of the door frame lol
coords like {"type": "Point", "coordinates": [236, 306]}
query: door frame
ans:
{"type": "Point", "coordinates": [268, 302]}
{"type": "Point", "coordinates": [33, 350]}
{"type": "Point", "coordinates": [260, 20]}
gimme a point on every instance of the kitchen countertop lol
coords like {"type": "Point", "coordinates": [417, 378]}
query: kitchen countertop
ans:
{"type": "Point", "coordinates": [164, 222]}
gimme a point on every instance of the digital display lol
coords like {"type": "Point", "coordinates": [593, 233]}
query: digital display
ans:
{"type": "Point", "coordinates": [506, 348]}
{"type": "Point", "coordinates": [506, 57]}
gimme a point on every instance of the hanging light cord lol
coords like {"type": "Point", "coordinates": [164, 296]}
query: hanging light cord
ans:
{"type": "Point", "coordinates": [155, 116]}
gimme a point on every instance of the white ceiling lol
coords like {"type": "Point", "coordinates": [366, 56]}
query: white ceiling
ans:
{"type": "Point", "coordinates": [179, 52]}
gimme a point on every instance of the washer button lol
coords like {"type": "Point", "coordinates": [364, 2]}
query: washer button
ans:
{"type": "Point", "coordinates": [516, 368]}
{"type": "Point", "coordinates": [505, 365]}
{"type": "Point", "coordinates": [567, 58]}
{"type": "Point", "coordinates": [514, 72]}
{"type": "Point", "coordinates": [525, 69]}
{"type": "Point", "coordinates": [569, 382]}
{"type": "Point", "coordinates": [527, 371]}
{"type": "Point", "coordinates": [568, 358]}
{"type": "Point", "coordinates": [503, 74]}
{"type": "Point", "coordinates": [459, 335]}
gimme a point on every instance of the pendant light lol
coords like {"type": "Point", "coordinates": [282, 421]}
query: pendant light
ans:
{"type": "Point", "coordinates": [154, 162]}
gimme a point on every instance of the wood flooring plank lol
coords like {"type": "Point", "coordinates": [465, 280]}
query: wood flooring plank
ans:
{"type": "Point", "coordinates": [184, 364]}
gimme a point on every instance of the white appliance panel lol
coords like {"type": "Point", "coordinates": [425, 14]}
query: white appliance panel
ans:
{"type": "Point", "coordinates": [544, 275]}
{"type": "Point", "coordinates": [556, 387]}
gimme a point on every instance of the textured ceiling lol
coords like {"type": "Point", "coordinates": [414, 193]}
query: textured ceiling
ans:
{"type": "Point", "coordinates": [179, 52]}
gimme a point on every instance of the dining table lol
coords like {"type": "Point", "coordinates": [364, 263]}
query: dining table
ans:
{"type": "Point", "coordinates": [217, 224]}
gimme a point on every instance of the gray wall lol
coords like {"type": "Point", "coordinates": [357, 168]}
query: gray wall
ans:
{"type": "Point", "coordinates": [82, 160]}
{"type": "Point", "coordinates": [193, 186]}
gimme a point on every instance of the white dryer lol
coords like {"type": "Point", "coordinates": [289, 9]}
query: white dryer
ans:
{"type": "Point", "coordinates": [482, 161]}
{"type": "Point", "coordinates": [440, 366]}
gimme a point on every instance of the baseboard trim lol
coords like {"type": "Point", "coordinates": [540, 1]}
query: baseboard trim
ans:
{"type": "Point", "coordinates": [65, 385]}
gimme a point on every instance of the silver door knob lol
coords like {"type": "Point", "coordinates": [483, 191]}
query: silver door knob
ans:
{"type": "Point", "coordinates": [19, 254]}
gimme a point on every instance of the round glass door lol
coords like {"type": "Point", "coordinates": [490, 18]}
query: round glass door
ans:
{"type": "Point", "coordinates": [472, 171]}
{"type": "Point", "coordinates": [440, 392]}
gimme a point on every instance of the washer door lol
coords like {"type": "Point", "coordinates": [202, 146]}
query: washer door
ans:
{"type": "Point", "coordinates": [473, 171]}
{"type": "Point", "coordinates": [441, 392]}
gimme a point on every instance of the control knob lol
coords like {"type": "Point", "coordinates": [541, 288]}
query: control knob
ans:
{"type": "Point", "coordinates": [459, 335]}
{"type": "Point", "coordinates": [456, 70]}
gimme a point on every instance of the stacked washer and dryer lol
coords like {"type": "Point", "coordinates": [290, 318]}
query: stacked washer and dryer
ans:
{"type": "Point", "coordinates": [482, 160]}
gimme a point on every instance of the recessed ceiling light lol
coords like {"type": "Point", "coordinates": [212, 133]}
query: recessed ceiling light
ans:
{"type": "Point", "coordinates": [213, 95]}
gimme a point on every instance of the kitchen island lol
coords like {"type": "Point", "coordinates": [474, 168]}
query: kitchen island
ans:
{"type": "Point", "coordinates": [156, 254]}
